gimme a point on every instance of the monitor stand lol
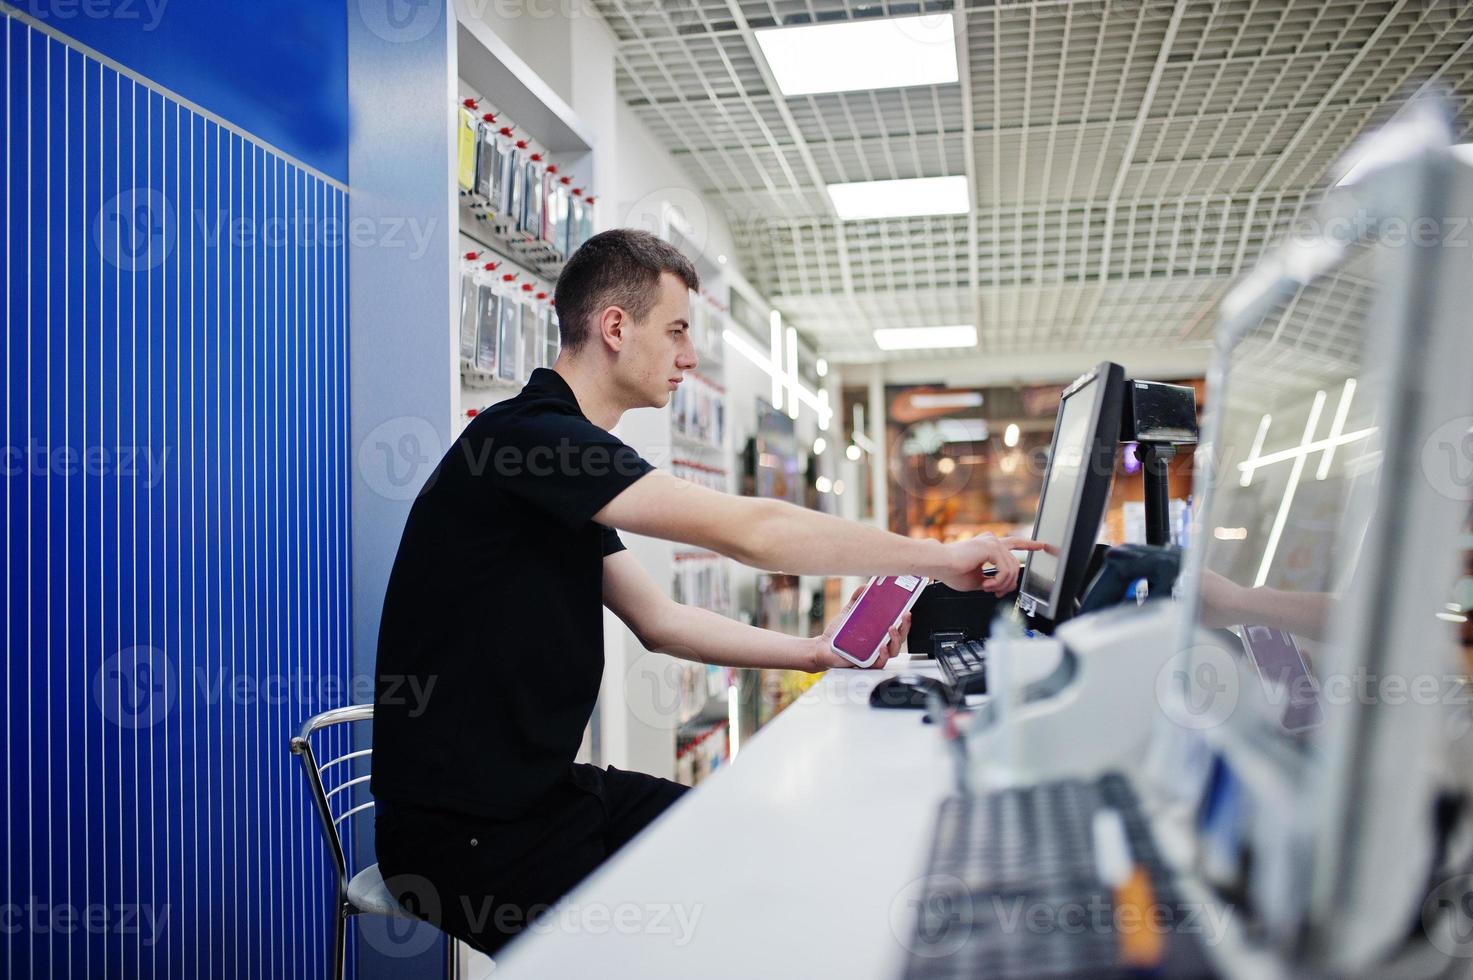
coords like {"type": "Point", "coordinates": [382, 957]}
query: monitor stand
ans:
{"type": "Point", "coordinates": [1158, 417]}
{"type": "Point", "coordinates": [1154, 458]}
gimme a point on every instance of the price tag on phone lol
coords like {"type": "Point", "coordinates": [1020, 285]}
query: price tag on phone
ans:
{"type": "Point", "coordinates": [865, 628]}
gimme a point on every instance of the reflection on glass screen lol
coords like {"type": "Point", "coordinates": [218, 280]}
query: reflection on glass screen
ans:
{"type": "Point", "coordinates": [1297, 461]}
{"type": "Point", "coordinates": [1066, 464]}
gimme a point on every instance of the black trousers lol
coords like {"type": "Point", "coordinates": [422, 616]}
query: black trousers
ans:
{"type": "Point", "coordinates": [484, 881]}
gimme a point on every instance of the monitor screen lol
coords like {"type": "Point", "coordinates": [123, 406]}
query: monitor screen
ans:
{"type": "Point", "coordinates": [1075, 489]}
{"type": "Point", "coordinates": [1067, 458]}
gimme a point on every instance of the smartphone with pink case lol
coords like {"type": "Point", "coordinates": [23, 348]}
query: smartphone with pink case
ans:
{"type": "Point", "coordinates": [861, 635]}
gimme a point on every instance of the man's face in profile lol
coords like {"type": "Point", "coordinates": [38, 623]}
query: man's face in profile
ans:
{"type": "Point", "coordinates": [657, 351]}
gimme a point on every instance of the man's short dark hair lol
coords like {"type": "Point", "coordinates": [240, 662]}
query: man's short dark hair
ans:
{"type": "Point", "coordinates": [620, 268]}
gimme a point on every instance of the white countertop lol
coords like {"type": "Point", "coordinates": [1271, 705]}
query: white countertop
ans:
{"type": "Point", "coordinates": [799, 859]}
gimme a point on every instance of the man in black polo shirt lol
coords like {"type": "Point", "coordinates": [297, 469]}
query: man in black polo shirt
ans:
{"type": "Point", "coordinates": [490, 646]}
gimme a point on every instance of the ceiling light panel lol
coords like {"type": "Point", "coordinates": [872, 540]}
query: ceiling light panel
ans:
{"type": "Point", "coordinates": [925, 338]}
{"type": "Point", "coordinates": [894, 52]}
{"type": "Point", "coordinates": [899, 198]}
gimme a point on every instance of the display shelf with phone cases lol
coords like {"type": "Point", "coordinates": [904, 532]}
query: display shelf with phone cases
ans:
{"type": "Point", "coordinates": [513, 192]}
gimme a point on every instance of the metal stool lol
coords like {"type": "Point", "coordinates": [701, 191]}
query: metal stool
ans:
{"type": "Point", "coordinates": [365, 892]}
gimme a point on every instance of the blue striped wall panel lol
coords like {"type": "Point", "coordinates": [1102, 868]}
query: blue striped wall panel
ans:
{"type": "Point", "coordinates": [276, 68]}
{"type": "Point", "coordinates": [176, 555]}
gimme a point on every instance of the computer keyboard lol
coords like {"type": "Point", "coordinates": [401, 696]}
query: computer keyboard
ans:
{"type": "Point", "coordinates": [964, 667]}
{"type": "Point", "coordinates": [1013, 890]}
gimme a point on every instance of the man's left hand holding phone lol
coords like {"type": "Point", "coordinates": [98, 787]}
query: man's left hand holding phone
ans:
{"type": "Point", "coordinates": [873, 625]}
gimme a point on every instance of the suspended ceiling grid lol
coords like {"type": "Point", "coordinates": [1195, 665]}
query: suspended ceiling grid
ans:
{"type": "Point", "coordinates": [1127, 159]}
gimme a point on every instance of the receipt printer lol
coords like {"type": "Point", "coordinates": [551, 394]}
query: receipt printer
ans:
{"type": "Point", "coordinates": [946, 615]}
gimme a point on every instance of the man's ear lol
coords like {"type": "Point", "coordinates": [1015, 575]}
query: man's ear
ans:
{"type": "Point", "coordinates": [611, 324]}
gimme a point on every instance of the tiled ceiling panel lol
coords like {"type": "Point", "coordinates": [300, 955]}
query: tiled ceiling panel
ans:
{"type": "Point", "coordinates": [1127, 158]}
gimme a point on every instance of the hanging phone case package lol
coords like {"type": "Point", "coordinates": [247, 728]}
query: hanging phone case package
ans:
{"type": "Point", "coordinates": [505, 176]}
{"type": "Point", "coordinates": [565, 208]}
{"type": "Point", "coordinates": [488, 162]}
{"type": "Point", "coordinates": [515, 192]}
{"type": "Point", "coordinates": [465, 170]}
{"type": "Point", "coordinates": [467, 313]}
{"type": "Point", "coordinates": [552, 340]}
{"type": "Point", "coordinates": [511, 326]}
{"type": "Point", "coordinates": [531, 342]}
{"type": "Point", "coordinates": [570, 242]}
{"type": "Point", "coordinates": [488, 326]}
{"type": "Point", "coordinates": [500, 153]}
{"type": "Point", "coordinates": [532, 215]}
{"type": "Point", "coordinates": [585, 224]}
{"type": "Point", "coordinates": [555, 202]}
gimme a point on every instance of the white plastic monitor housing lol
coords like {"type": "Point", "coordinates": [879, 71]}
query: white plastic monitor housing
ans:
{"type": "Point", "coordinates": [1084, 702]}
{"type": "Point", "coordinates": [1369, 803]}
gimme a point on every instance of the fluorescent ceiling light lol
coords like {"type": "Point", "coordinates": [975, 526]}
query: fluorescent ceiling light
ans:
{"type": "Point", "coordinates": [900, 198]}
{"type": "Point", "coordinates": [924, 338]}
{"type": "Point", "coordinates": [949, 399]}
{"type": "Point", "coordinates": [861, 54]}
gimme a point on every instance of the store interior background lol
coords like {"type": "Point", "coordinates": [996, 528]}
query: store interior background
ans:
{"type": "Point", "coordinates": [1124, 163]}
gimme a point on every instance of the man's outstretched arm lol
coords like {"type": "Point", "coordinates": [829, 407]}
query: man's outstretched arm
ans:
{"type": "Point", "coordinates": [690, 633]}
{"type": "Point", "coordinates": [779, 536]}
